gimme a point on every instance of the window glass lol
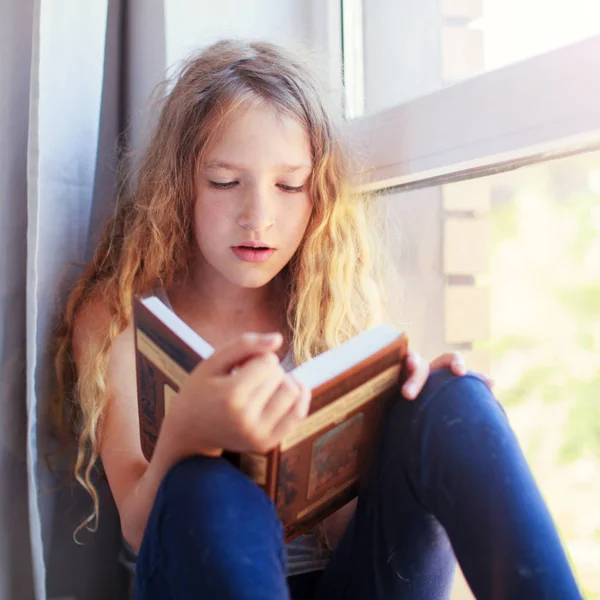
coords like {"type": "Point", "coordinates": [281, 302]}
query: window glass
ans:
{"type": "Point", "coordinates": [413, 47]}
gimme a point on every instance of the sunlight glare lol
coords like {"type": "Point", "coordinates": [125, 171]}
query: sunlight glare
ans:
{"type": "Point", "coordinates": [518, 29]}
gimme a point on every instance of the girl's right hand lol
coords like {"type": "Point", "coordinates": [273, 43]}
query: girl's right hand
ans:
{"type": "Point", "coordinates": [252, 409]}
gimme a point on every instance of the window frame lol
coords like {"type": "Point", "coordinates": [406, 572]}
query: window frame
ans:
{"type": "Point", "coordinates": [326, 27]}
{"type": "Point", "coordinates": [472, 129]}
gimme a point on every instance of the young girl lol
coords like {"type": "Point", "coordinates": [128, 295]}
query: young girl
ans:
{"type": "Point", "coordinates": [241, 218]}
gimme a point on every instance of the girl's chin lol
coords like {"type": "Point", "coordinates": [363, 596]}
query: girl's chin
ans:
{"type": "Point", "coordinates": [243, 275]}
{"type": "Point", "coordinates": [255, 281]}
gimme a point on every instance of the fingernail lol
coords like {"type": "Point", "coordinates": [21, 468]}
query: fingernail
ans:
{"type": "Point", "coordinates": [410, 390]}
{"type": "Point", "coordinates": [269, 338]}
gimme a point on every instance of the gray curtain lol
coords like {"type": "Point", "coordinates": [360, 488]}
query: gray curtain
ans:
{"type": "Point", "coordinates": [66, 82]}
{"type": "Point", "coordinates": [15, 58]}
{"type": "Point", "coordinates": [64, 100]}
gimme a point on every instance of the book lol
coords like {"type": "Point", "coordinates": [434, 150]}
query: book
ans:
{"type": "Point", "coordinates": [317, 468]}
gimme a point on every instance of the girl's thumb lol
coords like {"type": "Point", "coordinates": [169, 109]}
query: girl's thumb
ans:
{"type": "Point", "coordinates": [241, 349]}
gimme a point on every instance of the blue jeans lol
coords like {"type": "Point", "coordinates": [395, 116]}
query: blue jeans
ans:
{"type": "Point", "coordinates": [448, 480]}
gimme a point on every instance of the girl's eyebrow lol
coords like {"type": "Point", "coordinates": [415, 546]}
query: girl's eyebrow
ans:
{"type": "Point", "coordinates": [218, 164]}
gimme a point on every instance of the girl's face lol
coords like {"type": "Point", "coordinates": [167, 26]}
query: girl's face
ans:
{"type": "Point", "coordinates": [252, 188]}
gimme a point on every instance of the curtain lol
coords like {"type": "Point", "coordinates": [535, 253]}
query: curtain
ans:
{"type": "Point", "coordinates": [72, 74]}
{"type": "Point", "coordinates": [75, 79]}
{"type": "Point", "coordinates": [67, 68]}
{"type": "Point", "coordinates": [15, 58]}
{"type": "Point", "coordinates": [60, 114]}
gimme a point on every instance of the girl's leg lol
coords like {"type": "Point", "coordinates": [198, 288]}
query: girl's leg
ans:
{"type": "Point", "coordinates": [449, 478]}
{"type": "Point", "coordinates": [212, 533]}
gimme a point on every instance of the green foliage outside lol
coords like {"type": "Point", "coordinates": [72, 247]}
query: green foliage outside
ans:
{"type": "Point", "coordinates": [546, 247]}
{"type": "Point", "coordinates": [544, 281]}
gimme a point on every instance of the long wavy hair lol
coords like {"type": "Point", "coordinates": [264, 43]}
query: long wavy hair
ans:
{"type": "Point", "coordinates": [335, 280]}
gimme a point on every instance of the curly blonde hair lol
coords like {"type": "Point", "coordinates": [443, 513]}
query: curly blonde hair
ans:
{"type": "Point", "coordinates": [335, 279]}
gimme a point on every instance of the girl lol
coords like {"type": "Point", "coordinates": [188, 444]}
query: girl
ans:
{"type": "Point", "coordinates": [241, 219]}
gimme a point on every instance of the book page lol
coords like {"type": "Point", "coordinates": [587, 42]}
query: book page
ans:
{"type": "Point", "coordinates": [331, 363]}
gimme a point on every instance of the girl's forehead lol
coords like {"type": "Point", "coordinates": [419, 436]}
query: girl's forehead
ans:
{"type": "Point", "coordinates": [258, 119]}
{"type": "Point", "coordinates": [215, 164]}
{"type": "Point", "coordinates": [259, 131]}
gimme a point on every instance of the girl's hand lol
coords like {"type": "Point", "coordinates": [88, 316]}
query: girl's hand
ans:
{"type": "Point", "coordinates": [419, 369]}
{"type": "Point", "coordinates": [251, 409]}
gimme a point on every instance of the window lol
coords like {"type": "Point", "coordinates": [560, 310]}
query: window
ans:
{"type": "Point", "coordinates": [519, 293]}
{"type": "Point", "coordinates": [477, 123]}
{"type": "Point", "coordinates": [399, 50]}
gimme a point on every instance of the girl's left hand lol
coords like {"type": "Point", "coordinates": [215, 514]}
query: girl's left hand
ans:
{"type": "Point", "coordinates": [418, 371]}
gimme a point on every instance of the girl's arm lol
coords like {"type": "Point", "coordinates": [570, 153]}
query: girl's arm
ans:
{"type": "Point", "coordinates": [132, 480]}
{"type": "Point", "coordinates": [252, 410]}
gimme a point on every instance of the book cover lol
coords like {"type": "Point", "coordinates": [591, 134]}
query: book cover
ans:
{"type": "Point", "coordinates": [317, 468]}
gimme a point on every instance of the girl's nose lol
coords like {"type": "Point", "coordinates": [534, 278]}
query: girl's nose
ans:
{"type": "Point", "coordinates": [257, 213]}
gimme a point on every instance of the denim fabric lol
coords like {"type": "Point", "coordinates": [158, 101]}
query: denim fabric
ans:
{"type": "Point", "coordinates": [448, 479]}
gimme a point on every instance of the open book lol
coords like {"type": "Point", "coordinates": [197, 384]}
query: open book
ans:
{"type": "Point", "coordinates": [317, 468]}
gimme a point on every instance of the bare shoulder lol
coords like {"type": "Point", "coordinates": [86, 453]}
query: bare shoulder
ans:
{"type": "Point", "coordinates": [90, 328]}
{"type": "Point", "coordinates": [91, 325]}
{"type": "Point", "coordinates": [120, 447]}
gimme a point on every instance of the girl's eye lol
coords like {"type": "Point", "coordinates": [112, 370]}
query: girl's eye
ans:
{"type": "Point", "coordinates": [229, 184]}
{"type": "Point", "coordinates": [222, 186]}
{"type": "Point", "coordinates": [291, 189]}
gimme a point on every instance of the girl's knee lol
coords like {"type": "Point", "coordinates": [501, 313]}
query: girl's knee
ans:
{"type": "Point", "coordinates": [195, 472]}
{"type": "Point", "coordinates": [458, 416]}
{"type": "Point", "coordinates": [448, 396]}
{"type": "Point", "coordinates": [449, 406]}
{"type": "Point", "coordinates": [210, 488]}
{"type": "Point", "coordinates": [214, 524]}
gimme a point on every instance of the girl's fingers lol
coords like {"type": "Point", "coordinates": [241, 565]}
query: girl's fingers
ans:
{"type": "Point", "coordinates": [286, 425]}
{"type": "Point", "coordinates": [303, 403]}
{"type": "Point", "coordinates": [409, 387]}
{"type": "Point", "coordinates": [411, 360]}
{"type": "Point", "coordinates": [240, 349]}
{"type": "Point", "coordinates": [297, 412]}
{"type": "Point", "coordinates": [279, 404]}
{"type": "Point", "coordinates": [457, 366]}
{"type": "Point", "coordinates": [418, 370]}
{"type": "Point", "coordinates": [260, 377]}
{"type": "Point", "coordinates": [456, 363]}
{"type": "Point", "coordinates": [452, 360]}
{"type": "Point", "coordinates": [488, 380]}
{"type": "Point", "coordinates": [444, 360]}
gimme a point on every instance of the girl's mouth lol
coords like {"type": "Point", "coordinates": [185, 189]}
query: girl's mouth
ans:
{"type": "Point", "coordinates": [247, 254]}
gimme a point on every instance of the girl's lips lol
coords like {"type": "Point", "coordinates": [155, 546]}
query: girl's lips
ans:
{"type": "Point", "coordinates": [250, 255]}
